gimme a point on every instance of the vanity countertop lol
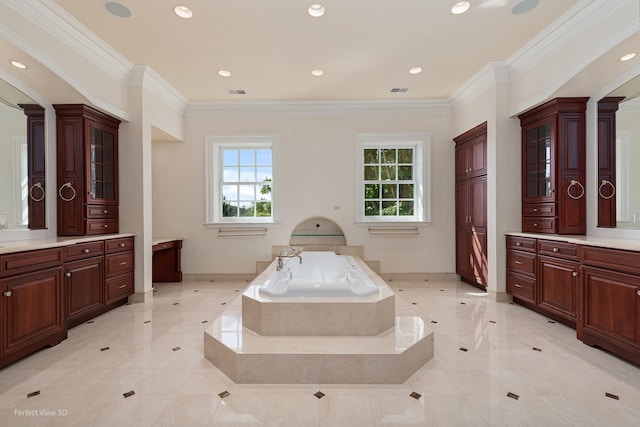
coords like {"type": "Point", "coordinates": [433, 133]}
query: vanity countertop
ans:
{"type": "Point", "coordinates": [54, 242]}
{"type": "Point", "coordinates": [159, 240]}
{"type": "Point", "coordinates": [604, 242]}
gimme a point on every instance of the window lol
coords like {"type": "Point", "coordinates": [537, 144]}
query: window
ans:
{"type": "Point", "coordinates": [241, 187]}
{"type": "Point", "coordinates": [390, 178]}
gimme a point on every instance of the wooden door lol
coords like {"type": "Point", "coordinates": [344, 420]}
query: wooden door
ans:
{"type": "Point", "coordinates": [558, 287]}
{"type": "Point", "coordinates": [32, 308]}
{"type": "Point", "coordinates": [84, 281]}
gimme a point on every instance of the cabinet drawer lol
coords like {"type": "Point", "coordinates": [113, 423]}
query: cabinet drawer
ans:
{"type": "Point", "coordinates": [558, 249]}
{"type": "Point", "coordinates": [83, 250]}
{"type": "Point", "coordinates": [100, 211]}
{"type": "Point", "coordinates": [119, 263]}
{"type": "Point", "coordinates": [612, 259]}
{"type": "Point", "coordinates": [522, 262]}
{"type": "Point", "coordinates": [539, 209]}
{"type": "Point", "coordinates": [23, 262]}
{"type": "Point", "coordinates": [521, 286]}
{"type": "Point", "coordinates": [119, 245]}
{"type": "Point", "coordinates": [102, 226]}
{"type": "Point", "coordinates": [119, 287]}
{"type": "Point", "coordinates": [164, 245]}
{"type": "Point", "coordinates": [539, 225]}
{"type": "Point", "coordinates": [521, 243]}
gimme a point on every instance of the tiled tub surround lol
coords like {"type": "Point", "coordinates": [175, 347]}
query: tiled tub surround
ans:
{"type": "Point", "coordinates": [371, 340]}
{"type": "Point", "coordinates": [321, 316]}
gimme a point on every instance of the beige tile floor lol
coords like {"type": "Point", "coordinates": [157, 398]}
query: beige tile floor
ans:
{"type": "Point", "coordinates": [155, 350]}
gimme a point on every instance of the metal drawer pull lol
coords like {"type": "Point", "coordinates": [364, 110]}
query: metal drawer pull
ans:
{"type": "Point", "coordinates": [8, 294]}
{"type": "Point", "coordinates": [67, 199]}
{"type": "Point", "coordinates": [519, 262]}
{"type": "Point", "coordinates": [105, 211]}
{"type": "Point", "coordinates": [518, 244]}
{"type": "Point", "coordinates": [68, 274]}
{"type": "Point", "coordinates": [86, 251]}
{"type": "Point", "coordinates": [613, 189]}
{"type": "Point", "coordinates": [518, 285]}
{"type": "Point", "coordinates": [106, 225]}
{"type": "Point", "coordinates": [574, 274]}
{"type": "Point", "coordinates": [37, 185]}
{"type": "Point", "coordinates": [122, 286]}
{"type": "Point", "coordinates": [575, 182]}
{"type": "Point", "coordinates": [535, 224]}
{"type": "Point", "coordinates": [122, 245]}
{"type": "Point", "coordinates": [123, 263]}
{"type": "Point", "coordinates": [636, 292]}
{"type": "Point", "coordinates": [555, 250]}
{"type": "Point", "coordinates": [535, 209]}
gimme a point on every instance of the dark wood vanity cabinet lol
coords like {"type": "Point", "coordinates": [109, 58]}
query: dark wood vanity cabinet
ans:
{"type": "Point", "coordinates": [31, 305]}
{"type": "Point", "coordinates": [119, 265]}
{"type": "Point", "coordinates": [471, 205]}
{"type": "Point", "coordinates": [84, 281]}
{"type": "Point", "coordinates": [87, 155]}
{"type": "Point", "coordinates": [611, 301]}
{"type": "Point", "coordinates": [553, 167]}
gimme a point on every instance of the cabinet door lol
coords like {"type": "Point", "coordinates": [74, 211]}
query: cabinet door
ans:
{"type": "Point", "coordinates": [69, 168]}
{"type": "Point", "coordinates": [478, 228]}
{"type": "Point", "coordinates": [463, 253]}
{"type": "Point", "coordinates": [463, 155]}
{"type": "Point", "coordinates": [611, 314]}
{"type": "Point", "coordinates": [84, 281]}
{"type": "Point", "coordinates": [32, 308]}
{"type": "Point", "coordinates": [538, 144]}
{"type": "Point", "coordinates": [102, 156]}
{"type": "Point", "coordinates": [478, 155]}
{"type": "Point", "coordinates": [558, 286]}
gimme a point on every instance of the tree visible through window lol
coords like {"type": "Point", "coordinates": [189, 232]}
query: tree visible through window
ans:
{"type": "Point", "coordinates": [246, 183]}
{"type": "Point", "coordinates": [389, 184]}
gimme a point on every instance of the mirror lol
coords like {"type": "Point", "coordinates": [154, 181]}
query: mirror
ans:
{"type": "Point", "coordinates": [22, 160]}
{"type": "Point", "coordinates": [619, 157]}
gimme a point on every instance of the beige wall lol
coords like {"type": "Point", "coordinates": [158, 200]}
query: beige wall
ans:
{"type": "Point", "coordinates": [317, 178]}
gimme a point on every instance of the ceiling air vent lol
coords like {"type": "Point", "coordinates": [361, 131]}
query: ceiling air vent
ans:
{"type": "Point", "coordinates": [399, 90]}
{"type": "Point", "coordinates": [237, 91]}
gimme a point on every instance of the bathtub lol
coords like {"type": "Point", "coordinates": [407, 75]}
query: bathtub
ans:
{"type": "Point", "coordinates": [319, 274]}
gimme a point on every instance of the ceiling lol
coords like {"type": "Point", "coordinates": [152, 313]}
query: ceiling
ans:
{"type": "Point", "coordinates": [365, 47]}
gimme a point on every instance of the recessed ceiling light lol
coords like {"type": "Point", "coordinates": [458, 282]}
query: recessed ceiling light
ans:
{"type": "Point", "coordinates": [118, 9]}
{"type": "Point", "coordinates": [524, 6]}
{"type": "Point", "coordinates": [224, 73]}
{"type": "Point", "coordinates": [628, 56]}
{"type": "Point", "coordinates": [316, 10]}
{"type": "Point", "coordinates": [183, 12]}
{"type": "Point", "coordinates": [317, 72]}
{"type": "Point", "coordinates": [18, 64]}
{"type": "Point", "coordinates": [460, 7]}
{"type": "Point", "coordinates": [415, 70]}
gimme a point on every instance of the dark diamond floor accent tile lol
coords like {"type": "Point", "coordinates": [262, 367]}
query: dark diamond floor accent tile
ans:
{"type": "Point", "coordinates": [551, 321]}
{"type": "Point", "coordinates": [463, 349]}
{"type": "Point", "coordinates": [205, 321]}
{"type": "Point", "coordinates": [175, 348]}
{"type": "Point", "coordinates": [211, 281]}
{"type": "Point", "coordinates": [224, 303]}
{"type": "Point", "coordinates": [224, 394]}
{"type": "Point", "coordinates": [513, 396]}
{"type": "Point", "coordinates": [176, 303]}
{"type": "Point", "coordinates": [33, 393]}
{"type": "Point", "coordinates": [128, 394]}
{"type": "Point", "coordinates": [237, 290]}
{"type": "Point", "coordinates": [415, 395]}
{"type": "Point", "coordinates": [441, 290]}
{"type": "Point", "coordinates": [414, 303]}
{"type": "Point", "coordinates": [434, 321]}
{"type": "Point", "coordinates": [147, 321]}
{"type": "Point", "coordinates": [196, 290]}
{"type": "Point", "coordinates": [399, 290]}
{"type": "Point", "coordinates": [89, 322]}
{"type": "Point", "coordinates": [127, 303]}
{"type": "Point", "coordinates": [612, 396]}
{"type": "Point", "coordinates": [319, 395]}
{"type": "Point", "coordinates": [463, 303]}
{"type": "Point", "coordinates": [104, 349]}
{"type": "Point", "coordinates": [492, 321]}
{"type": "Point", "coordinates": [512, 303]}
{"type": "Point", "coordinates": [536, 349]}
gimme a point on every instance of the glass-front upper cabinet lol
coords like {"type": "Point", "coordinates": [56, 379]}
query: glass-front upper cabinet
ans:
{"type": "Point", "coordinates": [537, 183]}
{"type": "Point", "coordinates": [553, 167]}
{"type": "Point", "coordinates": [87, 170]}
{"type": "Point", "coordinates": [102, 164]}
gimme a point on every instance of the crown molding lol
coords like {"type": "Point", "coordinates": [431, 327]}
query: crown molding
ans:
{"type": "Point", "coordinates": [584, 14]}
{"type": "Point", "coordinates": [317, 108]}
{"type": "Point", "coordinates": [491, 74]}
{"type": "Point", "coordinates": [144, 76]}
